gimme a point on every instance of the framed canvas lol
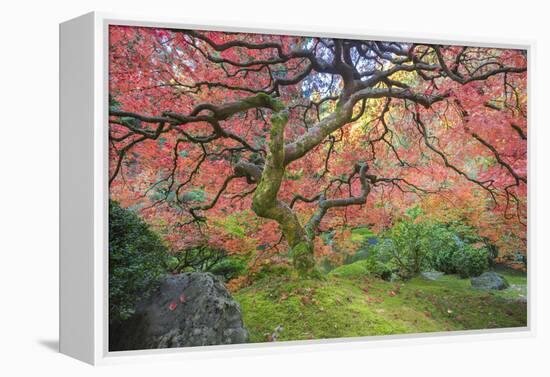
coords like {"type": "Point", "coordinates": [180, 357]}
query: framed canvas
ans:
{"type": "Point", "coordinates": [237, 189]}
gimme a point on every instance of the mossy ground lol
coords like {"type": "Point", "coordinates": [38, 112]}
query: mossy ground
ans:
{"type": "Point", "coordinates": [361, 234]}
{"type": "Point", "coordinates": [359, 305]}
{"type": "Point", "coordinates": [352, 270]}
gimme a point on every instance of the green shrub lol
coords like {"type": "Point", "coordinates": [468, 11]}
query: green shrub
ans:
{"type": "Point", "coordinates": [137, 259]}
{"type": "Point", "coordinates": [413, 245]}
{"type": "Point", "coordinates": [378, 268]}
{"type": "Point", "coordinates": [198, 258]}
{"type": "Point", "coordinates": [205, 258]}
{"type": "Point", "coordinates": [406, 245]}
{"type": "Point", "coordinates": [443, 244]}
{"type": "Point", "coordinates": [361, 254]}
{"type": "Point", "coordinates": [229, 268]}
{"type": "Point", "coordinates": [471, 261]}
{"type": "Point", "coordinates": [452, 250]}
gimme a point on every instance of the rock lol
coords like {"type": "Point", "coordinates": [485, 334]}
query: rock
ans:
{"type": "Point", "coordinates": [189, 309]}
{"type": "Point", "coordinates": [431, 275]}
{"type": "Point", "coordinates": [489, 280]}
{"type": "Point", "coordinates": [521, 291]}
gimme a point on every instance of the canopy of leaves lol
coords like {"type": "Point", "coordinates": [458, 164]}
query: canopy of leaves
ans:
{"type": "Point", "coordinates": [440, 127]}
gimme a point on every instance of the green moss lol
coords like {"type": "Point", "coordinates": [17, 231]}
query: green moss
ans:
{"type": "Point", "coordinates": [514, 276]}
{"type": "Point", "coordinates": [361, 234]}
{"type": "Point", "coordinates": [356, 305]}
{"type": "Point", "coordinates": [275, 104]}
{"type": "Point", "coordinates": [518, 285]}
{"type": "Point", "coordinates": [357, 269]}
{"type": "Point", "coordinates": [454, 303]}
{"type": "Point", "coordinates": [309, 309]}
{"type": "Point", "coordinates": [302, 257]}
{"type": "Point", "coordinates": [278, 120]}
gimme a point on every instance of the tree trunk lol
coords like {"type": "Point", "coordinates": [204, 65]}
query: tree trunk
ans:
{"type": "Point", "coordinates": [265, 203]}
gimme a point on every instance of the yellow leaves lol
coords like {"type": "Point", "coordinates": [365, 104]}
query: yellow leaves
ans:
{"type": "Point", "coordinates": [358, 130]}
{"type": "Point", "coordinates": [366, 122]}
{"type": "Point", "coordinates": [405, 77]}
{"type": "Point", "coordinates": [446, 123]}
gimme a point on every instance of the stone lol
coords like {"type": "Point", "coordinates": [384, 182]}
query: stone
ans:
{"type": "Point", "coordinates": [431, 275]}
{"type": "Point", "coordinates": [186, 310]}
{"type": "Point", "coordinates": [521, 291]}
{"type": "Point", "coordinates": [489, 280]}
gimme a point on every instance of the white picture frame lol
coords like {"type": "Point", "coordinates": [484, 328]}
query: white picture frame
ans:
{"type": "Point", "coordinates": [84, 193]}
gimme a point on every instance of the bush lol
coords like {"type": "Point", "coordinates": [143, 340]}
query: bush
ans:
{"type": "Point", "coordinates": [452, 250]}
{"type": "Point", "coordinates": [443, 245]}
{"type": "Point", "coordinates": [229, 268]}
{"type": "Point", "coordinates": [137, 259]}
{"type": "Point", "coordinates": [378, 268]}
{"type": "Point", "coordinates": [406, 245]}
{"type": "Point", "coordinates": [199, 258]}
{"type": "Point", "coordinates": [361, 254]}
{"type": "Point", "coordinates": [469, 235]}
{"type": "Point", "coordinates": [205, 258]}
{"type": "Point", "coordinates": [471, 261]}
{"type": "Point", "coordinates": [413, 245]}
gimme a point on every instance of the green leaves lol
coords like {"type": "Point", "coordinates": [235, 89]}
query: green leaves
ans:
{"type": "Point", "coordinates": [444, 244]}
{"type": "Point", "coordinates": [137, 258]}
{"type": "Point", "coordinates": [471, 261]}
{"type": "Point", "coordinates": [413, 245]}
{"type": "Point", "coordinates": [196, 195]}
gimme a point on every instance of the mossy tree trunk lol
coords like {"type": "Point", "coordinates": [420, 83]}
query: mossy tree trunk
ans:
{"type": "Point", "coordinates": [265, 203]}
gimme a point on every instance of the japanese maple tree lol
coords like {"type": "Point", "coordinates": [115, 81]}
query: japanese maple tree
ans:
{"type": "Point", "coordinates": [313, 134]}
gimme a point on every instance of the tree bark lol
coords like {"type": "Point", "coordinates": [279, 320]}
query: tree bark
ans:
{"type": "Point", "coordinates": [265, 203]}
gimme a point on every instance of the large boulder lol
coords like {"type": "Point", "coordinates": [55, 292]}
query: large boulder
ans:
{"type": "Point", "coordinates": [189, 309]}
{"type": "Point", "coordinates": [489, 280]}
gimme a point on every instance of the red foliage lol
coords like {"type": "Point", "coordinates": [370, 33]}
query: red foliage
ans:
{"type": "Point", "coordinates": [462, 158]}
